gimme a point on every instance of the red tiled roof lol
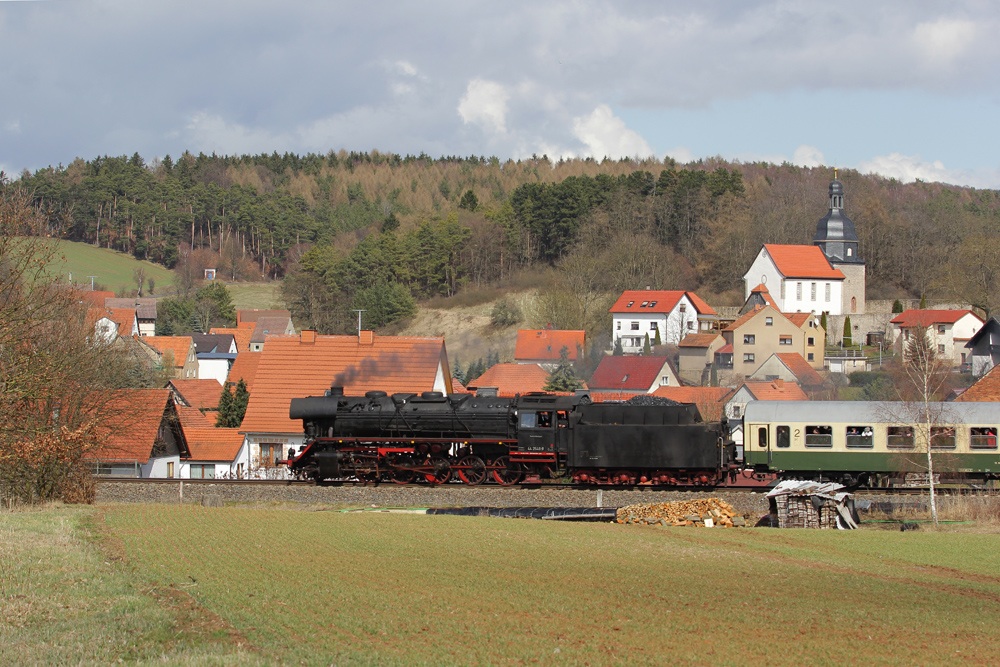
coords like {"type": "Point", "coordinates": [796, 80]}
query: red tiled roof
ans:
{"type": "Point", "coordinates": [245, 368]}
{"type": "Point", "coordinates": [698, 340]}
{"type": "Point", "coordinates": [744, 318]}
{"type": "Point", "coordinates": [124, 318]}
{"type": "Point", "coordinates": [511, 379]}
{"type": "Point", "coordinates": [93, 297]}
{"type": "Point", "coordinates": [725, 349]}
{"type": "Point", "coordinates": [546, 344]}
{"type": "Point", "coordinates": [657, 301]}
{"type": "Point", "coordinates": [764, 294]}
{"type": "Point", "coordinates": [195, 418]}
{"type": "Point", "coordinates": [293, 367]}
{"type": "Point", "coordinates": [985, 389]}
{"type": "Point", "coordinates": [798, 319]}
{"type": "Point", "coordinates": [201, 394]}
{"type": "Point", "coordinates": [213, 444]}
{"type": "Point", "coordinates": [926, 318]}
{"type": "Point", "coordinates": [802, 261]}
{"type": "Point", "coordinates": [800, 368]}
{"type": "Point", "coordinates": [179, 345]}
{"type": "Point", "coordinates": [132, 425]}
{"type": "Point", "coordinates": [632, 373]}
{"type": "Point", "coordinates": [776, 390]}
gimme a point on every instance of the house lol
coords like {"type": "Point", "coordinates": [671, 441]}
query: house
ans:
{"type": "Point", "coordinates": [175, 353]}
{"type": "Point", "coordinates": [790, 367]}
{"type": "Point", "coordinates": [659, 316]}
{"type": "Point", "coordinates": [241, 334]}
{"type": "Point", "coordinates": [265, 323]}
{"type": "Point", "coordinates": [310, 364]}
{"type": "Point", "coordinates": [695, 354]}
{"type": "Point", "coordinates": [764, 331]}
{"type": "Point", "coordinates": [985, 389]}
{"type": "Point", "coordinates": [216, 354]}
{"type": "Point", "coordinates": [949, 331]}
{"type": "Point", "coordinates": [213, 453]}
{"type": "Point", "coordinates": [511, 379]}
{"type": "Point", "coordinates": [984, 348]}
{"type": "Point", "coordinates": [544, 346]}
{"type": "Point", "coordinates": [140, 436]}
{"type": "Point", "coordinates": [632, 375]}
{"type": "Point", "coordinates": [144, 309]}
{"type": "Point", "coordinates": [798, 277]}
{"type": "Point", "coordinates": [110, 324]}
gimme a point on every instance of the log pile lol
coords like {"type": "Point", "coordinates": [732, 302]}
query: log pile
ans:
{"type": "Point", "coordinates": [703, 512]}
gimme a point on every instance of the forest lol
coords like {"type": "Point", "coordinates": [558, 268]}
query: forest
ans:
{"type": "Point", "coordinates": [381, 232]}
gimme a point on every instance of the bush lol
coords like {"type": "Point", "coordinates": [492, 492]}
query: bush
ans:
{"type": "Point", "coordinates": [505, 314]}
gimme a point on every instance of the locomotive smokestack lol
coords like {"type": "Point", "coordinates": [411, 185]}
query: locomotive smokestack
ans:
{"type": "Point", "coordinates": [335, 390]}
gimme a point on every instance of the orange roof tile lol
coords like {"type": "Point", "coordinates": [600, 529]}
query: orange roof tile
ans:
{"type": "Point", "coordinates": [133, 424]}
{"type": "Point", "coordinates": [746, 317]}
{"type": "Point", "coordinates": [93, 297]}
{"type": "Point", "coordinates": [213, 444]}
{"type": "Point", "coordinates": [776, 390]}
{"type": "Point", "coordinates": [125, 319]}
{"type": "Point", "coordinates": [511, 379]}
{"type": "Point", "coordinates": [546, 344]}
{"type": "Point", "coordinates": [985, 389]}
{"type": "Point", "coordinates": [201, 394]}
{"type": "Point", "coordinates": [244, 368]}
{"type": "Point", "coordinates": [180, 346]}
{"type": "Point", "coordinates": [800, 368]}
{"type": "Point", "coordinates": [241, 333]}
{"type": "Point", "coordinates": [291, 368]}
{"type": "Point", "coordinates": [764, 294]}
{"type": "Point", "coordinates": [633, 373]}
{"type": "Point", "coordinates": [802, 261]}
{"type": "Point", "coordinates": [195, 418]}
{"type": "Point", "coordinates": [708, 399]}
{"type": "Point", "coordinates": [926, 318]}
{"type": "Point", "coordinates": [657, 301]}
{"type": "Point", "coordinates": [698, 340]}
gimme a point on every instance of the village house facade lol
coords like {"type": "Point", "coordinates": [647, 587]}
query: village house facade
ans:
{"type": "Point", "coordinates": [639, 316]}
{"type": "Point", "coordinates": [949, 331]}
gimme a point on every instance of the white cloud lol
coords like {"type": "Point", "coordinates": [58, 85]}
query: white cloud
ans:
{"type": "Point", "coordinates": [606, 135]}
{"type": "Point", "coordinates": [13, 127]}
{"type": "Point", "coordinates": [909, 168]}
{"type": "Point", "coordinates": [808, 156]}
{"type": "Point", "coordinates": [211, 132]}
{"type": "Point", "coordinates": [944, 39]}
{"type": "Point", "coordinates": [403, 67]}
{"type": "Point", "coordinates": [681, 154]}
{"type": "Point", "coordinates": [485, 104]}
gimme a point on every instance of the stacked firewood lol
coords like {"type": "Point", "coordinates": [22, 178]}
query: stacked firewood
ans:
{"type": "Point", "coordinates": [703, 512]}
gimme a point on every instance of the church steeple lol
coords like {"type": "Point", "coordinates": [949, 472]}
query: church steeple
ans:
{"type": "Point", "coordinates": [835, 234]}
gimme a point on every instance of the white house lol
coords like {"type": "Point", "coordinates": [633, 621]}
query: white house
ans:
{"type": "Point", "coordinates": [665, 314]}
{"type": "Point", "coordinates": [799, 278]}
{"type": "Point", "coordinates": [949, 330]}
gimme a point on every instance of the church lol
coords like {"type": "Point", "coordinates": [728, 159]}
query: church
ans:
{"type": "Point", "coordinates": [828, 276]}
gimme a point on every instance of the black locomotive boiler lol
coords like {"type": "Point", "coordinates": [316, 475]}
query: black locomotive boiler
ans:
{"type": "Point", "coordinates": [477, 438]}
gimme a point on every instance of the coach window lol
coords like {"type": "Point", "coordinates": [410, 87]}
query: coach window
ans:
{"type": "Point", "coordinates": [942, 437]}
{"type": "Point", "coordinates": [983, 437]}
{"type": "Point", "coordinates": [762, 437]}
{"type": "Point", "coordinates": [782, 436]}
{"type": "Point", "coordinates": [899, 437]}
{"type": "Point", "coordinates": [819, 436]}
{"type": "Point", "coordinates": [860, 437]}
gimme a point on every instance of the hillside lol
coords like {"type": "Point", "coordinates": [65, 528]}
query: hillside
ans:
{"type": "Point", "coordinates": [111, 270]}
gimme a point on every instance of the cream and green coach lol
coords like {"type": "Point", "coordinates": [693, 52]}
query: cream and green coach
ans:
{"type": "Point", "coordinates": [872, 443]}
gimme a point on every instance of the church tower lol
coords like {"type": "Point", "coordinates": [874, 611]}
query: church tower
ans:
{"type": "Point", "coordinates": [837, 238]}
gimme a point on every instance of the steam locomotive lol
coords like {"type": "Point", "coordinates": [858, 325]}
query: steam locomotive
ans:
{"type": "Point", "coordinates": [476, 438]}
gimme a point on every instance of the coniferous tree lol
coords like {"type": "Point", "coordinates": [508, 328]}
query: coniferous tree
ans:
{"type": "Point", "coordinates": [645, 345]}
{"type": "Point", "coordinates": [563, 378]}
{"type": "Point", "coordinates": [848, 338]}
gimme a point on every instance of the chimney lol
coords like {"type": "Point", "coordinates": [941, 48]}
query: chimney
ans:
{"type": "Point", "coordinates": [308, 337]}
{"type": "Point", "coordinates": [779, 383]}
{"type": "Point", "coordinates": [366, 337]}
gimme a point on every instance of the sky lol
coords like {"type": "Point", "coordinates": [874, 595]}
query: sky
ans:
{"type": "Point", "coordinates": [909, 89]}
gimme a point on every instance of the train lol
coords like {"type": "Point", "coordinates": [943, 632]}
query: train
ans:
{"type": "Point", "coordinates": [480, 438]}
{"type": "Point", "coordinates": [474, 438]}
{"type": "Point", "coordinates": [873, 444]}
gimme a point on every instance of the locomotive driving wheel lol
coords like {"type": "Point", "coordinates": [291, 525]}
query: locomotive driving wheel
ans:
{"type": "Point", "coordinates": [440, 470]}
{"type": "Point", "coordinates": [472, 470]}
{"type": "Point", "coordinates": [506, 473]}
{"type": "Point", "coordinates": [402, 470]}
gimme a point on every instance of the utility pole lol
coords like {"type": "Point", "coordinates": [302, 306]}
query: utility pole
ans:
{"type": "Point", "coordinates": [359, 311]}
{"type": "Point", "coordinates": [91, 282]}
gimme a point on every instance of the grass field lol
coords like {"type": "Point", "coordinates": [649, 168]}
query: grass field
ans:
{"type": "Point", "coordinates": [187, 584]}
{"type": "Point", "coordinates": [111, 269]}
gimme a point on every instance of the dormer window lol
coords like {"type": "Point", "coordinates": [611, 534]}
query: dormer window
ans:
{"type": "Point", "coordinates": [644, 304]}
{"type": "Point", "coordinates": [630, 304]}
{"type": "Point", "coordinates": [652, 304]}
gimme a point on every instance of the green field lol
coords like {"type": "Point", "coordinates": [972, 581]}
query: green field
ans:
{"type": "Point", "coordinates": [111, 270]}
{"type": "Point", "coordinates": [186, 584]}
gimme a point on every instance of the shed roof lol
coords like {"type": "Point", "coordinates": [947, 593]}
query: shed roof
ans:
{"type": "Point", "coordinates": [546, 344]}
{"type": "Point", "coordinates": [631, 373]}
{"type": "Point", "coordinates": [511, 379]}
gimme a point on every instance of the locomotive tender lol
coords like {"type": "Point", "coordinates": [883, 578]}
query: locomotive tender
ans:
{"type": "Point", "coordinates": [433, 437]}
